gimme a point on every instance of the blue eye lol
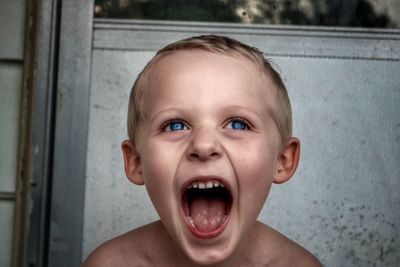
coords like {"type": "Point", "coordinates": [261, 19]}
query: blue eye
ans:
{"type": "Point", "coordinates": [237, 124]}
{"type": "Point", "coordinates": [175, 126]}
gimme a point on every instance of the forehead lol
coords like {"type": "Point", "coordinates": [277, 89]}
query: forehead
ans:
{"type": "Point", "coordinates": [196, 68]}
{"type": "Point", "coordinates": [200, 57]}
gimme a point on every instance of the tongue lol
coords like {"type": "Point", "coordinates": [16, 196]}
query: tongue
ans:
{"type": "Point", "coordinates": [207, 213]}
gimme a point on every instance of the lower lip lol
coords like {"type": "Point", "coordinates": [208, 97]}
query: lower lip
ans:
{"type": "Point", "coordinates": [206, 235]}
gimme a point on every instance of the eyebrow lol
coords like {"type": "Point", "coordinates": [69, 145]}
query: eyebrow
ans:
{"type": "Point", "coordinates": [230, 108]}
{"type": "Point", "coordinates": [169, 110]}
{"type": "Point", "coordinates": [242, 108]}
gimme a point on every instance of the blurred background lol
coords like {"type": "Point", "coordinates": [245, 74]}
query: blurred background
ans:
{"type": "Point", "coordinates": [353, 13]}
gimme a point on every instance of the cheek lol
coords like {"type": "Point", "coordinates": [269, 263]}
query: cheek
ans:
{"type": "Point", "coordinates": [159, 188]}
{"type": "Point", "coordinates": [157, 173]}
{"type": "Point", "coordinates": [159, 166]}
{"type": "Point", "coordinates": [259, 162]}
{"type": "Point", "coordinates": [256, 182]}
{"type": "Point", "coordinates": [256, 174]}
{"type": "Point", "coordinates": [155, 165]}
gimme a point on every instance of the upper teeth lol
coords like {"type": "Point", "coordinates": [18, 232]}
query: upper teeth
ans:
{"type": "Point", "coordinates": [205, 185]}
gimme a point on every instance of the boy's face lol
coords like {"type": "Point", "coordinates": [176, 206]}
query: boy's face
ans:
{"type": "Point", "coordinates": [207, 124]}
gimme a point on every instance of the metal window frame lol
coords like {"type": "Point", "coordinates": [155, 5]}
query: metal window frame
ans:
{"type": "Point", "coordinates": [70, 133]}
{"type": "Point", "coordinates": [22, 190]}
{"type": "Point", "coordinates": [45, 19]}
{"type": "Point", "coordinates": [301, 41]}
{"type": "Point", "coordinates": [61, 84]}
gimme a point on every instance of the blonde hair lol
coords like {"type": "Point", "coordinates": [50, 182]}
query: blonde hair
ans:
{"type": "Point", "coordinates": [282, 114]}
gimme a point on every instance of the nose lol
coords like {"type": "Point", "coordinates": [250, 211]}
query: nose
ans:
{"type": "Point", "coordinates": [204, 145]}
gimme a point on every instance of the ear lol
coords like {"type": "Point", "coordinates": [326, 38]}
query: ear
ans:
{"type": "Point", "coordinates": [132, 162]}
{"type": "Point", "coordinates": [288, 160]}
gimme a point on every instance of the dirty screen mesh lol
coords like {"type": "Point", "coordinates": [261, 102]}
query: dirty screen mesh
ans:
{"type": "Point", "coordinates": [343, 202]}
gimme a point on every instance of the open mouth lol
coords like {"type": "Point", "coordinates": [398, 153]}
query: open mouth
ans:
{"type": "Point", "coordinates": [206, 206]}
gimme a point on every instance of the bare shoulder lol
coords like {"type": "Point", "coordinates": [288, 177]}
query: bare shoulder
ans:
{"type": "Point", "coordinates": [284, 252]}
{"type": "Point", "coordinates": [298, 256]}
{"type": "Point", "coordinates": [129, 249]}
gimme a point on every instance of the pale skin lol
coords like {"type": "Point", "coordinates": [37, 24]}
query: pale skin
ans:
{"type": "Point", "coordinates": [207, 117]}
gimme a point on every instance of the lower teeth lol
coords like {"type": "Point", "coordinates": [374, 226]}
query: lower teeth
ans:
{"type": "Point", "coordinates": [190, 219]}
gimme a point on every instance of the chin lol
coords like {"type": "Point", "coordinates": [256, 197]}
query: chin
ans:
{"type": "Point", "coordinates": [208, 256]}
{"type": "Point", "coordinates": [209, 252]}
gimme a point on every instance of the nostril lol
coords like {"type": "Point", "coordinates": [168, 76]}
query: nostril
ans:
{"type": "Point", "coordinates": [204, 156]}
{"type": "Point", "coordinates": [214, 154]}
{"type": "Point", "coordinates": [194, 156]}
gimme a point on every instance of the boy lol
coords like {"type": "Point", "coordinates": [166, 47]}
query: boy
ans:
{"type": "Point", "coordinates": [209, 126]}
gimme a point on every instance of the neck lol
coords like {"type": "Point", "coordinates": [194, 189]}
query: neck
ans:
{"type": "Point", "coordinates": [246, 254]}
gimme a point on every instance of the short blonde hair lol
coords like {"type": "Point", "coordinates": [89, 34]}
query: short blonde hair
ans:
{"type": "Point", "coordinates": [282, 116]}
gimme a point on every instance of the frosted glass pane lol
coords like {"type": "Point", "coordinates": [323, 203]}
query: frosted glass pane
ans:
{"type": "Point", "coordinates": [108, 191]}
{"type": "Point", "coordinates": [10, 91]}
{"type": "Point", "coordinates": [343, 203]}
{"type": "Point", "coordinates": [12, 28]}
{"type": "Point", "coordinates": [6, 226]}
